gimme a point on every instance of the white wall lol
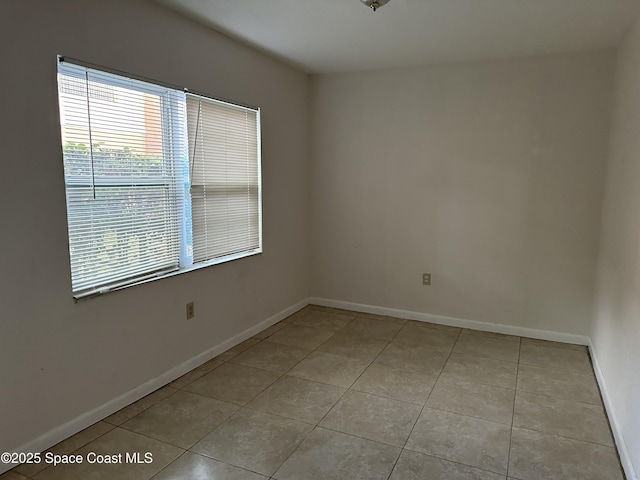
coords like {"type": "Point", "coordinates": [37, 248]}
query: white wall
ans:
{"type": "Point", "coordinates": [59, 359]}
{"type": "Point", "coordinates": [616, 328]}
{"type": "Point", "coordinates": [488, 175]}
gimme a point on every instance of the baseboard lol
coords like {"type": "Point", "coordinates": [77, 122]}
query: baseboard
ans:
{"type": "Point", "coordinates": [623, 450]}
{"type": "Point", "coordinates": [87, 419]}
{"type": "Point", "coordinates": [456, 322]}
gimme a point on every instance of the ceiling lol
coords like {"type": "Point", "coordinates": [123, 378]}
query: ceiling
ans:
{"type": "Point", "coordinates": [322, 36]}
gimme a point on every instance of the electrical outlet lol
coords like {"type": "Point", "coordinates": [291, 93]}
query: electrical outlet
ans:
{"type": "Point", "coordinates": [426, 279]}
{"type": "Point", "coordinates": [191, 311]}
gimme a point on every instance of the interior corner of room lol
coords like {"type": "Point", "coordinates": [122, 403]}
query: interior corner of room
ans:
{"type": "Point", "coordinates": [512, 180]}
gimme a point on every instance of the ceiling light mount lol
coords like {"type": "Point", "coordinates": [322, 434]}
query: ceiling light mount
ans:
{"type": "Point", "coordinates": [374, 4]}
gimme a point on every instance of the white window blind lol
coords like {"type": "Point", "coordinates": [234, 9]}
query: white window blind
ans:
{"type": "Point", "coordinates": [225, 172]}
{"type": "Point", "coordinates": [120, 149]}
{"type": "Point", "coordinates": [157, 180]}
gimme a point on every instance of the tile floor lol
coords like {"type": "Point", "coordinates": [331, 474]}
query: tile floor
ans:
{"type": "Point", "coordinates": [332, 394]}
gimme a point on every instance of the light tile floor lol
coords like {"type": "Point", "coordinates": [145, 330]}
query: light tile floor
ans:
{"type": "Point", "coordinates": [332, 394]}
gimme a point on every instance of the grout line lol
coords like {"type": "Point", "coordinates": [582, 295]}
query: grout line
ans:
{"type": "Point", "coordinates": [240, 407]}
{"type": "Point", "coordinates": [564, 370]}
{"type": "Point", "coordinates": [169, 464]}
{"type": "Point", "coordinates": [73, 451]}
{"type": "Point", "coordinates": [316, 425]}
{"type": "Point", "coordinates": [425, 404]}
{"type": "Point", "coordinates": [558, 398]}
{"type": "Point", "coordinates": [563, 399]}
{"type": "Point", "coordinates": [155, 439]}
{"type": "Point", "coordinates": [565, 437]}
{"type": "Point", "coordinates": [210, 457]}
{"type": "Point", "coordinates": [457, 462]}
{"type": "Point", "coordinates": [513, 411]}
{"type": "Point", "coordinates": [384, 396]}
{"type": "Point", "coordinates": [484, 357]}
{"type": "Point", "coordinates": [471, 416]}
{"type": "Point", "coordinates": [372, 362]}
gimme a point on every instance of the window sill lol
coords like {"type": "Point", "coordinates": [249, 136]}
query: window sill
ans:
{"type": "Point", "coordinates": [158, 276]}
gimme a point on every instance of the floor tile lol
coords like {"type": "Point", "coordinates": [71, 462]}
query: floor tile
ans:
{"type": "Point", "coordinates": [487, 347]}
{"type": "Point", "coordinates": [192, 466]}
{"type": "Point", "coordinates": [301, 336]}
{"type": "Point", "coordinates": [471, 368]}
{"type": "Point", "coordinates": [271, 356]}
{"type": "Point", "coordinates": [324, 320]}
{"type": "Point", "coordinates": [559, 358]}
{"type": "Point", "coordinates": [548, 343]}
{"type": "Point", "coordinates": [233, 383]}
{"type": "Point", "coordinates": [182, 419]}
{"type": "Point", "coordinates": [468, 440]}
{"type": "Point", "coordinates": [256, 441]}
{"type": "Point", "coordinates": [327, 368]}
{"type": "Point", "coordinates": [473, 399]}
{"type": "Point", "coordinates": [354, 346]}
{"type": "Point", "coordinates": [437, 326]}
{"type": "Point", "coordinates": [538, 456]}
{"type": "Point", "coordinates": [416, 466]}
{"type": "Point", "coordinates": [498, 336]}
{"type": "Point", "coordinates": [267, 332]}
{"type": "Point", "coordinates": [81, 438]}
{"type": "Point", "coordinates": [566, 418]}
{"type": "Point", "coordinates": [214, 362]}
{"type": "Point", "coordinates": [198, 372]}
{"type": "Point", "coordinates": [386, 318]}
{"type": "Point", "coordinates": [557, 383]}
{"type": "Point", "coordinates": [372, 327]}
{"type": "Point", "coordinates": [241, 347]}
{"type": "Point", "coordinates": [376, 418]}
{"type": "Point", "coordinates": [13, 475]}
{"type": "Point", "coordinates": [392, 382]}
{"type": "Point", "coordinates": [328, 455]}
{"type": "Point", "coordinates": [339, 311]}
{"type": "Point", "coordinates": [68, 446]}
{"type": "Point", "coordinates": [229, 354]}
{"type": "Point", "coordinates": [127, 413]}
{"type": "Point", "coordinates": [117, 441]}
{"type": "Point", "coordinates": [189, 377]}
{"type": "Point", "coordinates": [298, 399]}
{"type": "Point", "coordinates": [412, 336]}
{"type": "Point", "coordinates": [289, 320]}
{"type": "Point", "coordinates": [418, 358]}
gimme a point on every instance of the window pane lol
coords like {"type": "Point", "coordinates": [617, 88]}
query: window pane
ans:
{"type": "Point", "coordinates": [121, 151]}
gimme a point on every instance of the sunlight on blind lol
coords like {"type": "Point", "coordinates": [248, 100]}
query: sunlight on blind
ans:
{"type": "Point", "coordinates": [225, 172]}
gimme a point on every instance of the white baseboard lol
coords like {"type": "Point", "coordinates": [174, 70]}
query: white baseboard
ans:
{"type": "Point", "coordinates": [86, 419]}
{"type": "Point", "coordinates": [623, 450]}
{"type": "Point", "coordinates": [456, 322]}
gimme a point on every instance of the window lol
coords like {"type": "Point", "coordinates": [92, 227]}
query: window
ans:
{"type": "Point", "coordinates": [158, 180]}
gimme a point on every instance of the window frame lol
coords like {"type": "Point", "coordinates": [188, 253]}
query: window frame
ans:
{"type": "Point", "coordinates": [184, 262]}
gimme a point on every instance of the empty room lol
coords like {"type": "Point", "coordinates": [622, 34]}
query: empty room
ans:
{"type": "Point", "coordinates": [320, 240]}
